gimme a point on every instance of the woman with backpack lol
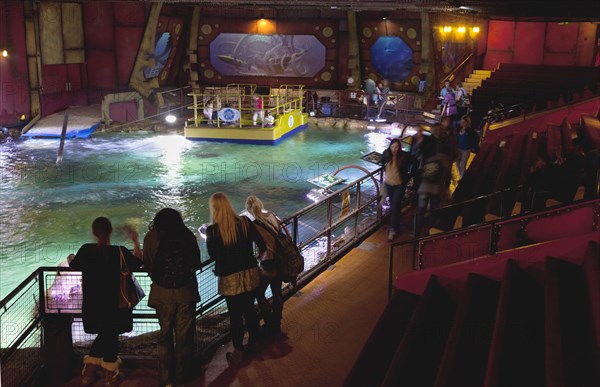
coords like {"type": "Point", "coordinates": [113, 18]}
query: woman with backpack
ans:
{"type": "Point", "coordinates": [230, 241]}
{"type": "Point", "coordinates": [172, 256]}
{"type": "Point", "coordinates": [268, 226]}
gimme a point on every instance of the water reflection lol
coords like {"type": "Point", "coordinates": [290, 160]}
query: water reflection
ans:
{"type": "Point", "coordinates": [46, 211]}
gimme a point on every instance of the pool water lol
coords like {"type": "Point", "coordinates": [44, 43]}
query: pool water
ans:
{"type": "Point", "coordinates": [47, 210]}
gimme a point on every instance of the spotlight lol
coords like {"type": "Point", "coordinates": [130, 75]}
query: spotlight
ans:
{"type": "Point", "coordinates": [476, 29]}
{"type": "Point", "coordinates": [461, 29]}
{"type": "Point", "coordinates": [447, 29]}
{"type": "Point", "coordinates": [170, 119]}
{"type": "Point", "coordinates": [5, 53]}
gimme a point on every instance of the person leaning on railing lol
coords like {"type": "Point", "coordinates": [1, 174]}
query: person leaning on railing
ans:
{"type": "Point", "coordinates": [172, 256]}
{"type": "Point", "coordinates": [270, 274]}
{"type": "Point", "coordinates": [100, 265]}
{"type": "Point", "coordinates": [229, 240]}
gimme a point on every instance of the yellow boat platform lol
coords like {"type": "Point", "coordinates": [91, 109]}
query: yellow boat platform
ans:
{"type": "Point", "coordinates": [237, 114]}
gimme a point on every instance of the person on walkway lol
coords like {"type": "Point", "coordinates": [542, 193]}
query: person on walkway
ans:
{"type": "Point", "coordinates": [172, 256]}
{"type": "Point", "coordinates": [467, 141]}
{"type": "Point", "coordinates": [268, 226]}
{"type": "Point", "coordinates": [370, 89]}
{"type": "Point", "coordinates": [450, 109]}
{"type": "Point", "coordinates": [100, 265]}
{"type": "Point", "coordinates": [229, 240]}
{"type": "Point", "coordinates": [447, 87]}
{"type": "Point", "coordinates": [432, 180]}
{"type": "Point", "coordinates": [463, 101]}
{"type": "Point", "coordinates": [397, 164]}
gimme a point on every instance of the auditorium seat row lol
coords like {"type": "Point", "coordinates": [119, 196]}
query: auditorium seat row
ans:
{"type": "Point", "coordinates": [528, 316]}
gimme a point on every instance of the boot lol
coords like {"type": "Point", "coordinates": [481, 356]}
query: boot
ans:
{"type": "Point", "coordinates": [112, 375]}
{"type": "Point", "coordinates": [235, 358]}
{"type": "Point", "coordinates": [91, 365]}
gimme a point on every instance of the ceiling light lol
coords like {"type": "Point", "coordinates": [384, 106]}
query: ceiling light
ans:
{"type": "Point", "coordinates": [476, 29]}
{"type": "Point", "coordinates": [5, 53]}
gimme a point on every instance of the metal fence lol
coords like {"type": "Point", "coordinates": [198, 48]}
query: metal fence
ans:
{"type": "Point", "coordinates": [499, 235]}
{"type": "Point", "coordinates": [324, 231]}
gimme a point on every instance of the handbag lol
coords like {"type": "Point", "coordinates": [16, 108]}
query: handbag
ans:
{"type": "Point", "coordinates": [240, 282]}
{"type": "Point", "coordinates": [130, 291]}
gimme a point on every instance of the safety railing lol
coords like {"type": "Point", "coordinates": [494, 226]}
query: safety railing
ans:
{"type": "Point", "coordinates": [499, 235]}
{"type": "Point", "coordinates": [243, 102]}
{"type": "Point", "coordinates": [324, 231]}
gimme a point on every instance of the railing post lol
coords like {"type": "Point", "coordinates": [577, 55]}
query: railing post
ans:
{"type": "Point", "coordinates": [57, 340]}
{"type": "Point", "coordinates": [391, 272]}
{"type": "Point", "coordinates": [329, 221]}
{"type": "Point", "coordinates": [356, 224]}
{"type": "Point", "coordinates": [494, 235]}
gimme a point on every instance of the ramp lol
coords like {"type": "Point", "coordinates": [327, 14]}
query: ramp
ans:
{"type": "Point", "coordinates": [83, 121]}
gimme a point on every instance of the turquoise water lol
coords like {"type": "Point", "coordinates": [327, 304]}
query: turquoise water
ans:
{"type": "Point", "coordinates": [47, 210]}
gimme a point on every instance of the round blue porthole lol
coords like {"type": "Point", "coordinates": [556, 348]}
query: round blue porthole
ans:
{"type": "Point", "coordinates": [392, 58]}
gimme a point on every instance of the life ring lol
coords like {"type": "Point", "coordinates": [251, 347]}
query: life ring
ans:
{"type": "Point", "coordinates": [229, 114]}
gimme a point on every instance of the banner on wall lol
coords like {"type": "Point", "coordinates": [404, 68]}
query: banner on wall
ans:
{"type": "Point", "coordinates": [234, 54]}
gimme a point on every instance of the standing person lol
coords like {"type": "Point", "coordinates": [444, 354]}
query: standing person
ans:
{"type": "Point", "coordinates": [397, 173]}
{"type": "Point", "coordinates": [430, 189]}
{"type": "Point", "coordinates": [258, 109]}
{"type": "Point", "coordinates": [172, 256]}
{"type": "Point", "coordinates": [270, 275]}
{"type": "Point", "coordinates": [384, 90]}
{"type": "Point", "coordinates": [229, 240]}
{"type": "Point", "coordinates": [462, 100]}
{"type": "Point", "coordinates": [416, 153]}
{"type": "Point", "coordinates": [447, 87]}
{"type": "Point", "coordinates": [100, 265]}
{"type": "Point", "coordinates": [467, 140]}
{"type": "Point", "coordinates": [370, 89]}
{"type": "Point", "coordinates": [450, 108]}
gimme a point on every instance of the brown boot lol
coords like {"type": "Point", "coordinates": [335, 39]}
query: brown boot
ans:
{"type": "Point", "coordinates": [91, 366]}
{"type": "Point", "coordinates": [112, 374]}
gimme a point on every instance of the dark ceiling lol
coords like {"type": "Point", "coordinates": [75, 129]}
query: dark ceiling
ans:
{"type": "Point", "coordinates": [535, 10]}
{"type": "Point", "coordinates": [523, 10]}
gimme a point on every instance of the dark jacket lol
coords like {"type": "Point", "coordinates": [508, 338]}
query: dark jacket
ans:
{"type": "Point", "coordinates": [405, 165]}
{"type": "Point", "coordinates": [237, 257]}
{"type": "Point", "coordinates": [172, 267]}
{"type": "Point", "coordinates": [100, 267]}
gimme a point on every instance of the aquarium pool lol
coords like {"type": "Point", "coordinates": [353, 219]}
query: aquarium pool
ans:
{"type": "Point", "coordinates": [47, 210]}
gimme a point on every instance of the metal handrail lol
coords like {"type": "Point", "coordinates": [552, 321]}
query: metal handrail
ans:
{"type": "Point", "coordinates": [36, 280]}
{"type": "Point", "coordinates": [493, 226]}
{"type": "Point", "coordinates": [466, 57]}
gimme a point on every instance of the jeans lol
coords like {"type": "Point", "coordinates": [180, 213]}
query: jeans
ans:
{"type": "Point", "coordinates": [106, 346]}
{"type": "Point", "coordinates": [271, 315]}
{"type": "Point", "coordinates": [461, 165]}
{"type": "Point", "coordinates": [396, 194]}
{"type": "Point", "coordinates": [425, 199]}
{"type": "Point", "coordinates": [176, 341]}
{"type": "Point", "coordinates": [241, 307]}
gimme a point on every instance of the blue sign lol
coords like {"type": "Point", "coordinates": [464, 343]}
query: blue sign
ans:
{"type": "Point", "coordinates": [229, 115]}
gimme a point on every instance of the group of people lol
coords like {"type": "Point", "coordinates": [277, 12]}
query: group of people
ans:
{"type": "Point", "coordinates": [212, 107]}
{"type": "Point", "coordinates": [171, 255]}
{"type": "Point", "coordinates": [455, 101]}
{"type": "Point", "coordinates": [429, 165]}
{"type": "Point", "coordinates": [376, 96]}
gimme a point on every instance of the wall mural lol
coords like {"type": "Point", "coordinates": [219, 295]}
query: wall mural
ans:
{"type": "Point", "coordinates": [160, 56]}
{"type": "Point", "coordinates": [392, 58]}
{"type": "Point", "coordinates": [267, 55]}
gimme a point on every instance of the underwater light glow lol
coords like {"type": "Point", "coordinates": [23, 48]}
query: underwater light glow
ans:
{"type": "Point", "coordinates": [171, 119]}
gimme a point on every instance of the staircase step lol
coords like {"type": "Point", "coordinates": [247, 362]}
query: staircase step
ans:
{"type": "Point", "coordinates": [418, 356]}
{"type": "Point", "coordinates": [517, 351]}
{"type": "Point", "coordinates": [375, 357]}
{"type": "Point", "coordinates": [569, 350]}
{"type": "Point", "coordinates": [486, 72]}
{"type": "Point", "coordinates": [465, 358]}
